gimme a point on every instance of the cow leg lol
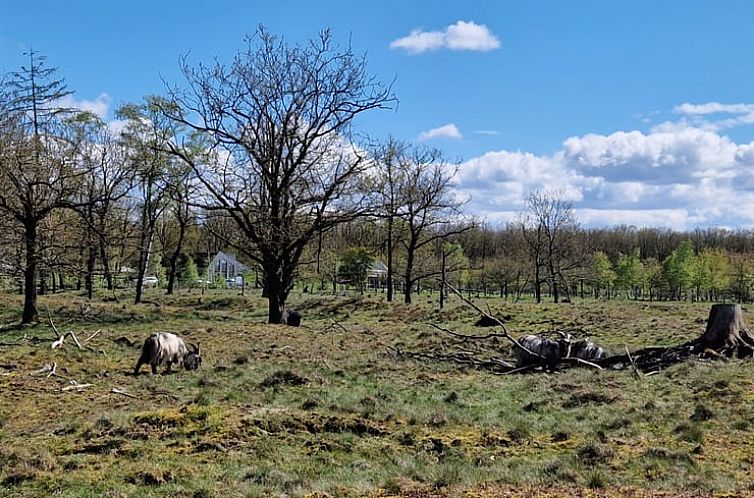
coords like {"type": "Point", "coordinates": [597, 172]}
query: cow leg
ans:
{"type": "Point", "coordinates": [154, 368]}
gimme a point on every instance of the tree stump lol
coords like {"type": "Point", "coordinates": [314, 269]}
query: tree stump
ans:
{"type": "Point", "coordinates": [727, 332]}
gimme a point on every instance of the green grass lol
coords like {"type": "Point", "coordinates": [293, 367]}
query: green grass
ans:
{"type": "Point", "coordinates": [329, 409]}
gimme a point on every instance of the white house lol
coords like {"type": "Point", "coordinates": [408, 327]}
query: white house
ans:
{"type": "Point", "coordinates": [377, 275]}
{"type": "Point", "coordinates": [225, 266]}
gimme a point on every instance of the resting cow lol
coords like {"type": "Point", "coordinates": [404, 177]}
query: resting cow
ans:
{"type": "Point", "coordinates": [542, 351]}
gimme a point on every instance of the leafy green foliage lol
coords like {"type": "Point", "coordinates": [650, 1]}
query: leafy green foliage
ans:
{"type": "Point", "coordinates": [681, 268]}
{"type": "Point", "coordinates": [190, 272]}
{"type": "Point", "coordinates": [604, 275]}
{"type": "Point", "coordinates": [630, 273]}
{"type": "Point", "coordinates": [355, 265]}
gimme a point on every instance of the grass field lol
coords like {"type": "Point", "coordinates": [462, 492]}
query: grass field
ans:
{"type": "Point", "coordinates": [329, 410]}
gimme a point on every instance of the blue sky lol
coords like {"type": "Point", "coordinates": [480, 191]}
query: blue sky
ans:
{"type": "Point", "coordinates": [639, 110]}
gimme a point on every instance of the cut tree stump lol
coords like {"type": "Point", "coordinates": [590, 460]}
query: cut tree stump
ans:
{"type": "Point", "coordinates": [727, 332]}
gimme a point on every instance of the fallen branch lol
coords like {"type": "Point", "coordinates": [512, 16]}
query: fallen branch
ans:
{"type": "Point", "coordinates": [116, 390]}
{"type": "Point", "coordinates": [59, 343]}
{"type": "Point", "coordinates": [78, 387]}
{"type": "Point", "coordinates": [17, 343]}
{"type": "Point", "coordinates": [92, 336]}
{"type": "Point", "coordinates": [633, 363]}
{"type": "Point", "coordinates": [505, 334]}
{"type": "Point", "coordinates": [52, 324]}
{"type": "Point", "coordinates": [579, 361]}
{"type": "Point", "coordinates": [465, 336]}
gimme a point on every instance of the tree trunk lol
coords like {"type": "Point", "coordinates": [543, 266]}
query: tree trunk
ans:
{"type": "Point", "coordinates": [30, 313]}
{"type": "Point", "coordinates": [554, 279]}
{"type": "Point", "coordinates": [442, 282]}
{"type": "Point", "coordinates": [174, 257]}
{"type": "Point", "coordinates": [276, 296]}
{"type": "Point", "coordinates": [389, 282]}
{"type": "Point", "coordinates": [106, 263]}
{"type": "Point", "coordinates": [727, 332]}
{"type": "Point", "coordinates": [407, 276]}
{"type": "Point", "coordinates": [89, 278]}
{"type": "Point", "coordinates": [145, 250]}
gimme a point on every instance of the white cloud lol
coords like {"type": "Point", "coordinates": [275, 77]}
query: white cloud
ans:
{"type": "Point", "coordinates": [447, 131]}
{"type": "Point", "coordinates": [492, 133]}
{"type": "Point", "coordinates": [713, 108]}
{"type": "Point", "coordinates": [99, 106]}
{"type": "Point", "coordinates": [462, 35]}
{"type": "Point", "coordinates": [716, 116]}
{"type": "Point", "coordinates": [677, 175]}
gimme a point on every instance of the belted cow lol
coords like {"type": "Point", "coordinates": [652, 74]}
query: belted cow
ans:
{"type": "Point", "coordinates": [542, 351]}
{"type": "Point", "coordinates": [165, 348]}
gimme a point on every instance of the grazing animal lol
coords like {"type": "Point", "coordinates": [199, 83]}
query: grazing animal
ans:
{"type": "Point", "coordinates": [547, 352]}
{"type": "Point", "coordinates": [586, 350]}
{"type": "Point", "coordinates": [165, 348]}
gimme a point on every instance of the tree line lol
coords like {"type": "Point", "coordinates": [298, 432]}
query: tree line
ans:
{"type": "Point", "coordinates": [524, 259]}
{"type": "Point", "coordinates": [262, 156]}
{"type": "Point", "coordinates": [259, 155]}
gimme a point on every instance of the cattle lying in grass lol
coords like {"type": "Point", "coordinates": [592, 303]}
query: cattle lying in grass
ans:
{"type": "Point", "coordinates": [165, 348]}
{"type": "Point", "coordinates": [542, 351]}
{"type": "Point", "coordinates": [586, 350]}
{"type": "Point", "coordinates": [292, 318]}
{"type": "Point", "coordinates": [548, 352]}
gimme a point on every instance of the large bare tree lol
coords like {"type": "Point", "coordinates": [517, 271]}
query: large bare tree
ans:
{"type": "Point", "coordinates": [546, 223]}
{"type": "Point", "coordinates": [277, 123]}
{"type": "Point", "coordinates": [38, 173]}
{"type": "Point", "coordinates": [426, 207]}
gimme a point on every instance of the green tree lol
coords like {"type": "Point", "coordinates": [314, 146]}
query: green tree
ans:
{"type": "Point", "coordinates": [604, 275]}
{"type": "Point", "coordinates": [355, 265]}
{"type": "Point", "coordinates": [630, 273]}
{"type": "Point", "coordinates": [145, 137]}
{"type": "Point", "coordinates": [680, 269]}
{"type": "Point", "coordinates": [190, 272]}
{"type": "Point", "coordinates": [653, 279]}
{"type": "Point", "coordinates": [713, 273]}
{"type": "Point", "coordinates": [742, 279]}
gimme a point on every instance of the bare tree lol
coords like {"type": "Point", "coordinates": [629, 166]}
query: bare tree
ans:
{"type": "Point", "coordinates": [426, 206]}
{"type": "Point", "coordinates": [281, 161]}
{"type": "Point", "coordinates": [178, 219]}
{"type": "Point", "coordinates": [386, 186]}
{"type": "Point", "coordinates": [546, 222]}
{"type": "Point", "coordinates": [106, 182]}
{"type": "Point", "coordinates": [37, 170]}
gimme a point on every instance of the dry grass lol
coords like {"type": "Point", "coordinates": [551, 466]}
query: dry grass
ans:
{"type": "Point", "coordinates": [327, 410]}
